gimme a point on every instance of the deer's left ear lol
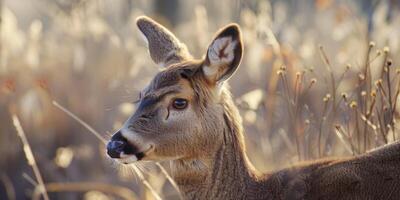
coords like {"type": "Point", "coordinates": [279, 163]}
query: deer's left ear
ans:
{"type": "Point", "coordinates": [224, 54]}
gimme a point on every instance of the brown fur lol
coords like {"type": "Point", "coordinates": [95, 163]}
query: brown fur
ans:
{"type": "Point", "coordinates": [205, 142]}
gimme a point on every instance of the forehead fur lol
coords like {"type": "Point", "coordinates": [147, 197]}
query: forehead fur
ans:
{"type": "Point", "coordinates": [164, 79]}
{"type": "Point", "coordinates": [191, 71]}
{"type": "Point", "coordinates": [174, 73]}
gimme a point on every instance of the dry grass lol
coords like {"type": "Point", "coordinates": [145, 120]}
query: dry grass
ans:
{"type": "Point", "coordinates": [104, 141]}
{"type": "Point", "coordinates": [311, 85]}
{"type": "Point", "coordinates": [117, 191]}
{"type": "Point", "coordinates": [30, 158]}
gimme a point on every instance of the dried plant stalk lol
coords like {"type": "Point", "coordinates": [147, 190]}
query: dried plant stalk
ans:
{"type": "Point", "coordinates": [84, 124]}
{"type": "Point", "coordinates": [173, 183]}
{"type": "Point", "coordinates": [345, 141]}
{"type": "Point", "coordinates": [146, 183]}
{"type": "Point", "coordinates": [29, 156]}
{"type": "Point", "coordinates": [8, 186]}
{"type": "Point", "coordinates": [119, 191]}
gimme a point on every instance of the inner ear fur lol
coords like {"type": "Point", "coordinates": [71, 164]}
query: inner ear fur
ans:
{"type": "Point", "coordinates": [224, 54]}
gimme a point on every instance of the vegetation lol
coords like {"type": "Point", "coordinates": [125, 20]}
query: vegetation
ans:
{"type": "Point", "coordinates": [312, 84]}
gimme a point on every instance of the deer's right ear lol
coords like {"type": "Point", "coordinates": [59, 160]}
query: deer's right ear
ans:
{"type": "Point", "coordinates": [165, 49]}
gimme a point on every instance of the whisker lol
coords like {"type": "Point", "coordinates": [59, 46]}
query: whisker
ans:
{"type": "Point", "coordinates": [104, 141]}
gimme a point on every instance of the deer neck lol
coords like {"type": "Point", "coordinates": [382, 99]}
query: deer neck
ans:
{"type": "Point", "coordinates": [228, 174]}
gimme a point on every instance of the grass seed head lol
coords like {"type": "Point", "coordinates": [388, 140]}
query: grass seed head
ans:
{"type": "Point", "coordinates": [328, 96]}
{"type": "Point", "coordinates": [378, 82]}
{"type": "Point", "coordinates": [386, 50]}
{"type": "Point", "coordinates": [389, 62]}
{"type": "Point", "coordinates": [371, 44]}
{"type": "Point", "coordinates": [361, 77]}
{"type": "Point", "coordinates": [313, 81]}
{"type": "Point", "coordinates": [344, 95]}
{"type": "Point", "coordinates": [363, 93]}
{"type": "Point", "coordinates": [373, 93]}
{"type": "Point", "coordinates": [353, 104]}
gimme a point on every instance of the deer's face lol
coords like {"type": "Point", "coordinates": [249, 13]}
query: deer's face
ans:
{"type": "Point", "coordinates": [179, 114]}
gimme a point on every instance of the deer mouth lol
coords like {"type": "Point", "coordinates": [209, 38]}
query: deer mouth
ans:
{"type": "Point", "coordinates": [121, 150]}
{"type": "Point", "coordinates": [127, 158]}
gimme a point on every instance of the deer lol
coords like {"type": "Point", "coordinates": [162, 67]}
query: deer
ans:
{"type": "Point", "coordinates": [187, 116]}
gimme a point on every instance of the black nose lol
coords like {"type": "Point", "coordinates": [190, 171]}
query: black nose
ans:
{"type": "Point", "coordinates": [116, 145]}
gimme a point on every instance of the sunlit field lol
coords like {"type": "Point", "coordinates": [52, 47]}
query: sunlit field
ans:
{"type": "Point", "coordinates": [318, 78]}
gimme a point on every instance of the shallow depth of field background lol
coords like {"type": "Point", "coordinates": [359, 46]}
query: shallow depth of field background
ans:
{"type": "Point", "coordinates": [310, 84]}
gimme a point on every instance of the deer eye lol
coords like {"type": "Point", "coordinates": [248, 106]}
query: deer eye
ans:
{"type": "Point", "coordinates": [179, 103]}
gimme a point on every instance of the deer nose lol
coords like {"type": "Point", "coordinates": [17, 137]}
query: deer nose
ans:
{"type": "Point", "coordinates": [116, 145]}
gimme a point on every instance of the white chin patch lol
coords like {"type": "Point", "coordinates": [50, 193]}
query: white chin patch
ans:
{"type": "Point", "coordinates": [126, 159]}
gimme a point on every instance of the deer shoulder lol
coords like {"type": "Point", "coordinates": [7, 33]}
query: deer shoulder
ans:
{"type": "Point", "coordinates": [374, 175]}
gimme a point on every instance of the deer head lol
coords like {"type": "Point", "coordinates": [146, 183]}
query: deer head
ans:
{"type": "Point", "coordinates": [181, 112]}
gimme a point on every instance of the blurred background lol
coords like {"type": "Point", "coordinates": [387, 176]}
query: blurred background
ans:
{"type": "Point", "coordinates": [319, 78]}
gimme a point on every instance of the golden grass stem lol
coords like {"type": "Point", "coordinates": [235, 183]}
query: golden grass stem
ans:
{"type": "Point", "coordinates": [396, 96]}
{"type": "Point", "coordinates": [84, 124]}
{"type": "Point", "coordinates": [29, 156]}
{"type": "Point", "coordinates": [357, 130]}
{"type": "Point", "coordinates": [29, 179]}
{"type": "Point", "coordinates": [146, 183]}
{"type": "Point", "coordinates": [343, 138]}
{"type": "Point", "coordinates": [391, 122]}
{"type": "Point", "coordinates": [332, 76]}
{"type": "Point", "coordinates": [119, 191]}
{"type": "Point", "coordinates": [8, 186]}
{"type": "Point", "coordinates": [323, 118]}
{"type": "Point", "coordinates": [381, 126]}
{"type": "Point", "coordinates": [292, 110]}
{"type": "Point", "coordinates": [173, 183]}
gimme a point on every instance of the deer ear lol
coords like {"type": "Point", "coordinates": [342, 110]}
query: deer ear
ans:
{"type": "Point", "coordinates": [165, 49]}
{"type": "Point", "coordinates": [224, 54]}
